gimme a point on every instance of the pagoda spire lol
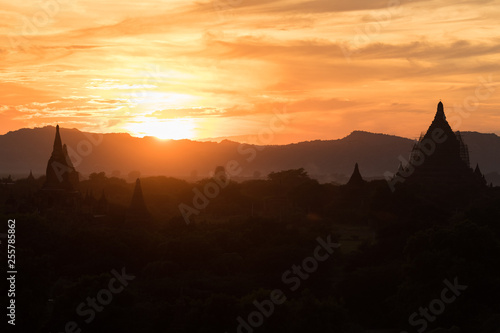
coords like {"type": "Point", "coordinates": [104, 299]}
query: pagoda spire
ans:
{"type": "Point", "coordinates": [440, 112]}
{"type": "Point", "coordinates": [441, 124]}
{"type": "Point", "coordinates": [479, 175]}
{"type": "Point", "coordinates": [57, 142]}
{"type": "Point", "coordinates": [60, 173]}
{"type": "Point", "coordinates": [356, 178]}
{"type": "Point", "coordinates": [137, 205]}
{"type": "Point", "coordinates": [477, 170]}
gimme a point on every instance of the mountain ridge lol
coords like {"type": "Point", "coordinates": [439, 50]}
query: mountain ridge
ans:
{"type": "Point", "coordinates": [327, 160]}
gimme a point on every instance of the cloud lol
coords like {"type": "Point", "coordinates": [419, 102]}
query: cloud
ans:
{"type": "Point", "coordinates": [235, 61]}
{"type": "Point", "coordinates": [187, 113]}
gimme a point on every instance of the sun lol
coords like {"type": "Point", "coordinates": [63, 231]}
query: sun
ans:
{"type": "Point", "coordinates": [175, 129]}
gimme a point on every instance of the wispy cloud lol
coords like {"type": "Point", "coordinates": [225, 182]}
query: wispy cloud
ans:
{"type": "Point", "coordinates": [341, 65]}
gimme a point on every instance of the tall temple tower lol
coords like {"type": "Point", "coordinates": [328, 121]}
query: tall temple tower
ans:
{"type": "Point", "coordinates": [60, 172]}
{"type": "Point", "coordinates": [439, 156]}
{"type": "Point", "coordinates": [60, 190]}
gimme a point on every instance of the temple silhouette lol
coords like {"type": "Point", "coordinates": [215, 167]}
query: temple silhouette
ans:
{"type": "Point", "coordinates": [440, 156]}
{"type": "Point", "coordinates": [61, 191]}
{"type": "Point", "coordinates": [398, 248]}
{"type": "Point", "coordinates": [356, 178]}
{"type": "Point", "coordinates": [60, 173]}
{"type": "Point", "coordinates": [137, 210]}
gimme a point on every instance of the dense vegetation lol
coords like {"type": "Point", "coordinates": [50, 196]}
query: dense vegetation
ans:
{"type": "Point", "coordinates": [396, 251]}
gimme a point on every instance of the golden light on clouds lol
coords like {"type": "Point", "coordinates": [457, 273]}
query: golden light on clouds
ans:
{"type": "Point", "coordinates": [200, 69]}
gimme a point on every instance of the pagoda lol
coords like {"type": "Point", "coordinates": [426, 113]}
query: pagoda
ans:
{"type": "Point", "coordinates": [60, 189]}
{"type": "Point", "coordinates": [60, 173]}
{"type": "Point", "coordinates": [439, 156]}
{"type": "Point", "coordinates": [356, 179]}
{"type": "Point", "coordinates": [137, 210]}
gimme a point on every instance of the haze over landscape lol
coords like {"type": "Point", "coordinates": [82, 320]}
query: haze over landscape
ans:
{"type": "Point", "coordinates": [328, 161]}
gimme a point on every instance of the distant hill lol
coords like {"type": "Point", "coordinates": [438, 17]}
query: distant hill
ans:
{"type": "Point", "coordinates": [330, 160]}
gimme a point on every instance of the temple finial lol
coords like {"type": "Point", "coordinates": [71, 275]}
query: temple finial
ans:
{"type": "Point", "coordinates": [57, 141]}
{"type": "Point", "coordinates": [440, 111]}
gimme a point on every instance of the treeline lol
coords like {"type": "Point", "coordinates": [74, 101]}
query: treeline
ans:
{"type": "Point", "coordinates": [396, 251]}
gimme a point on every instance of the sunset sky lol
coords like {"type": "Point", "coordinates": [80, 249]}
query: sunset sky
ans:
{"type": "Point", "coordinates": [206, 69]}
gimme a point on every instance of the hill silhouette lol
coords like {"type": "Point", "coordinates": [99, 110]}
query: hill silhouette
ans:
{"type": "Point", "coordinates": [326, 160]}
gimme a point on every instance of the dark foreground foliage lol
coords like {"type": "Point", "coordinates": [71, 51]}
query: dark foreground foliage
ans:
{"type": "Point", "coordinates": [396, 251]}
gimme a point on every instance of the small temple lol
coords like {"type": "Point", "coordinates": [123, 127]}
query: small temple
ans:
{"type": "Point", "coordinates": [137, 209]}
{"type": "Point", "coordinates": [356, 179]}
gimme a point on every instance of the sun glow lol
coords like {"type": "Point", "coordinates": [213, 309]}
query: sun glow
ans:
{"type": "Point", "coordinates": [175, 129]}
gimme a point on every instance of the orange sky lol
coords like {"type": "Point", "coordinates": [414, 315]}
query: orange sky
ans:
{"type": "Point", "coordinates": [201, 69]}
